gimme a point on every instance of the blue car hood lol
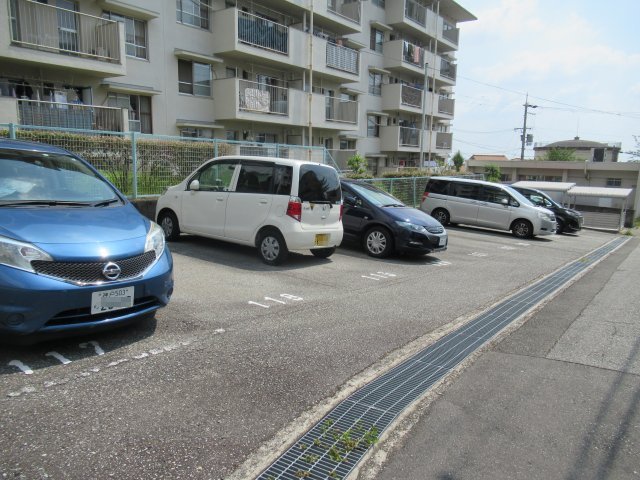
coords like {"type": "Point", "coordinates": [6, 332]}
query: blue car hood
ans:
{"type": "Point", "coordinates": [78, 233]}
{"type": "Point", "coordinates": [411, 215]}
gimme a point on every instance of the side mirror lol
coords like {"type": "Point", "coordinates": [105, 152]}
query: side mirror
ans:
{"type": "Point", "coordinates": [504, 202]}
{"type": "Point", "coordinates": [194, 185]}
{"type": "Point", "coordinates": [350, 200]}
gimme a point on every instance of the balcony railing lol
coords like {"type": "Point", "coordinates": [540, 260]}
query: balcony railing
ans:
{"type": "Point", "coordinates": [448, 69]}
{"type": "Point", "coordinates": [349, 10]}
{"type": "Point", "coordinates": [445, 105]}
{"type": "Point", "coordinates": [416, 12]}
{"type": "Point", "coordinates": [262, 33]}
{"type": "Point", "coordinates": [451, 33]}
{"type": "Point", "coordinates": [342, 58]}
{"type": "Point", "coordinates": [411, 96]}
{"type": "Point", "coordinates": [261, 98]}
{"type": "Point", "coordinates": [339, 110]}
{"type": "Point", "coordinates": [412, 54]}
{"type": "Point", "coordinates": [45, 27]}
{"type": "Point", "coordinates": [69, 115]}
{"type": "Point", "coordinates": [444, 140]}
{"type": "Point", "coordinates": [409, 137]}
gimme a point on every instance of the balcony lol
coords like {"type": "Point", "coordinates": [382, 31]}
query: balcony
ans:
{"type": "Point", "coordinates": [71, 115]}
{"type": "Point", "coordinates": [261, 98]}
{"type": "Point", "coordinates": [448, 70]}
{"type": "Point", "coordinates": [399, 139]}
{"type": "Point", "coordinates": [339, 110]}
{"type": "Point", "coordinates": [402, 98]}
{"type": "Point", "coordinates": [262, 33]}
{"type": "Point", "coordinates": [79, 41]}
{"type": "Point", "coordinates": [450, 33]}
{"type": "Point", "coordinates": [444, 141]}
{"type": "Point", "coordinates": [446, 107]}
{"type": "Point", "coordinates": [404, 56]}
{"type": "Point", "coordinates": [352, 11]}
{"type": "Point", "coordinates": [343, 58]}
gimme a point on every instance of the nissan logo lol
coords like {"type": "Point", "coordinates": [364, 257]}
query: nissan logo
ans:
{"type": "Point", "coordinates": [111, 271]}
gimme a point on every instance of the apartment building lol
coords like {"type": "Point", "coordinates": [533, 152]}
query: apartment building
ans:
{"type": "Point", "coordinates": [374, 77]}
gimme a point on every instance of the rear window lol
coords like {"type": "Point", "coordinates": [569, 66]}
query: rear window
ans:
{"type": "Point", "coordinates": [282, 180]}
{"type": "Point", "coordinates": [438, 186]}
{"type": "Point", "coordinates": [465, 190]}
{"type": "Point", "coordinates": [319, 184]}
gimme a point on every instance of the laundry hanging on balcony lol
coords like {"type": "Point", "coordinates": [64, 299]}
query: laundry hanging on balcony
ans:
{"type": "Point", "coordinates": [258, 100]}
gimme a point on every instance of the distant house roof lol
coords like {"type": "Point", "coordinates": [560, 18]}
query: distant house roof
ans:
{"type": "Point", "coordinates": [490, 158]}
{"type": "Point", "coordinates": [575, 144]}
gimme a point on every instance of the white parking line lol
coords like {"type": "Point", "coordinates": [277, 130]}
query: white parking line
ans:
{"type": "Point", "coordinates": [58, 357]}
{"type": "Point", "coordinates": [17, 363]}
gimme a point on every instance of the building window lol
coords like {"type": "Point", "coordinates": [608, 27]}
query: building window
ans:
{"type": "Point", "coordinates": [194, 78]}
{"type": "Point", "coordinates": [377, 39]}
{"type": "Point", "coordinates": [614, 182]}
{"type": "Point", "coordinates": [373, 126]}
{"type": "Point", "coordinates": [135, 34]}
{"type": "Point", "coordinates": [139, 110]}
{"type": "Point", "coordinates": [231, 135]}
{"type": "Point", "coordinates": [191, 132]}
{"type": "Point", "coordinates": [193, 12]}
{"type": "Point", "coordinates": [346, 144]}
{"type": "Point", "coordinates": [375, 83]}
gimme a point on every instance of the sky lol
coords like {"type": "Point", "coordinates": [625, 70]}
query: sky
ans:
{"type": "Point", "coordinates": [578, 61]}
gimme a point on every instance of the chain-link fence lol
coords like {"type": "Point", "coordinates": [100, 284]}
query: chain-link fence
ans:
{"type": "Point", "coordinates": [142, 165]}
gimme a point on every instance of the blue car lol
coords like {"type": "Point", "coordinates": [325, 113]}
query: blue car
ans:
{"type": "Point", "coordinates": [75, 255]}
{"type": "Point", "coordinates": [382, 224]}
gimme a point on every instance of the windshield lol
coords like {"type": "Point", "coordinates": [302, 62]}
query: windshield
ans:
{"type": "Point", "coordinates": [376, 196]}
{"type": "Point", "coordinates": [319, 184]}
{"type": "Point", "coordinates": [50, 178]}
{"type": "Point", "coordinates": [518, 196]}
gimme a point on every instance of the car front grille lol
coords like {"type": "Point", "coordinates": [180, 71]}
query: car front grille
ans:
{"type": "Point", "coordinates": [83, 315]}
{"type": "Point", "coordinates": [90, 273]}
{"type": "Point", "coordinates": [435, 229]}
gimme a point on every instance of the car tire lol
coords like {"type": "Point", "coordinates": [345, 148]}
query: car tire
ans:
{"type": "Point", "coordinates": [559, 226]}
{"type": "Point", "coordinates": [170, 226]}
{"type": "Point", "coordinates": [522, 229]}
{"type": "Point", "coordinates": [323, 252]}
{"type": "Point", "coordinates": [441, 215]}
{"type": "Point", "coordinates": [272, 247]}
{"type": "Point", "coordinates": [378, 242]}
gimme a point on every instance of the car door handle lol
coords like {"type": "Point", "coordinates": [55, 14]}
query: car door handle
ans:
{"type": "Point", "coordinates": [264, 201]}
{"type": "Point", "coordinates": [220, 199]}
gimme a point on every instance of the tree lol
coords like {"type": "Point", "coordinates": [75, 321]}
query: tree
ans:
{"type": "Point", "coordinates": [561, 155]}
{"type": "Point", "coordinates": [357, 164]}
{"type": "Point", "coordinates": [458, 161]}
{"type": "Point", "coordinates": [492, 173]}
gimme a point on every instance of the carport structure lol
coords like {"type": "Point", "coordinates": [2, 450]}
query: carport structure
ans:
{"type": "Point", "coordinates": [613, 218]}
{"type": "Point", "coordinates": [602, 207]}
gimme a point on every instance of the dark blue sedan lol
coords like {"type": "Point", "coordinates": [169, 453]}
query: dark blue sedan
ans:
{"type": "Point", "coordinates": [75, 255]}
{"type": "Point", "coordinates": [383, 224]}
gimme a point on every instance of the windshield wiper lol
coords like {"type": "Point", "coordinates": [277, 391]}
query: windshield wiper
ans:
{"type": "Point", "coordinates": [44, 203]}
{"type": "Point", "coordinates": [105, 202]}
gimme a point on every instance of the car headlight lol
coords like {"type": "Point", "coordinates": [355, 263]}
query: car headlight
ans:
{"type": "Point", "coordinates": [155, 240]}
{"type": "Point", "coordinates": [412, 226]}
{"type": "Point", "coordinates": [547, 216]}
{"type": "Point", "coordinates": [20, 254]}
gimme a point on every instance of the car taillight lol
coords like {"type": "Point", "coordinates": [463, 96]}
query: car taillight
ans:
{"type": "Point", "coordinates": [294, 208]}
{"type": "Point", "coordinates": [425, 195]}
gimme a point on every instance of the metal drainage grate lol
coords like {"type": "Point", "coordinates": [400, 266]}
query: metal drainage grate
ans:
{"type": "Point", "coordinates": [333, 447]}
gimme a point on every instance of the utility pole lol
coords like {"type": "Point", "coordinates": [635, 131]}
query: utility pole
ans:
{"type": "Point", "coordinates": [527, 105]}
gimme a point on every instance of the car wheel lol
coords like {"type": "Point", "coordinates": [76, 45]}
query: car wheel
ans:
{"type": "Point", "coordinates": [378, 242]}
{"type": "Point", "coordinates": [323, 252]}
{"type": "Point", "coordinates": [441, 215]}
{"type": "Point", "coordinates": [272, 248]}
{"type": "Point", "coordinates": [559, 226]}
{"type": "Point", "coordinates": [170, 226]}
{"type": "Point", "coordinates": [522, 229]}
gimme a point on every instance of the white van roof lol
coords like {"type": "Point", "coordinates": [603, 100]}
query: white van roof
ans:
{"type": "Point", "coordinates": [280, 160]}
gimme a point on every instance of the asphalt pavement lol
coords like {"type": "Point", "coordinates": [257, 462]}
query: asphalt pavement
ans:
{"type": "Point", "coordinates": [558, 398]}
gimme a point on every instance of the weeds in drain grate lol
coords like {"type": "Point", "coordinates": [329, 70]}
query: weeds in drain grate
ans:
{"type": "Point", "coordinates": [302, 446]}
{"type": "Point", "coordinates": [311, 458]}
{"type": "Point", "coordinates": [303, 474]}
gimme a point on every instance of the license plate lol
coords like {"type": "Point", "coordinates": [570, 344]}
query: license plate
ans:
{"type": "Point", "coordinates": [442, 242]}
{"type": "Point", "coordinates": [322, 240]}
{"type": "Point", "coordinates": [108, 300]}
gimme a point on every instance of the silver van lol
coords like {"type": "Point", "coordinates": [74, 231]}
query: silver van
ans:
{"type": "Point", "coordinates": [485, 204]}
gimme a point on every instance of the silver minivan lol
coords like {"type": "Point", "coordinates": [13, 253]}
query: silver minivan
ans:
{"type": "Point", "coordinates": [485, 204]}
